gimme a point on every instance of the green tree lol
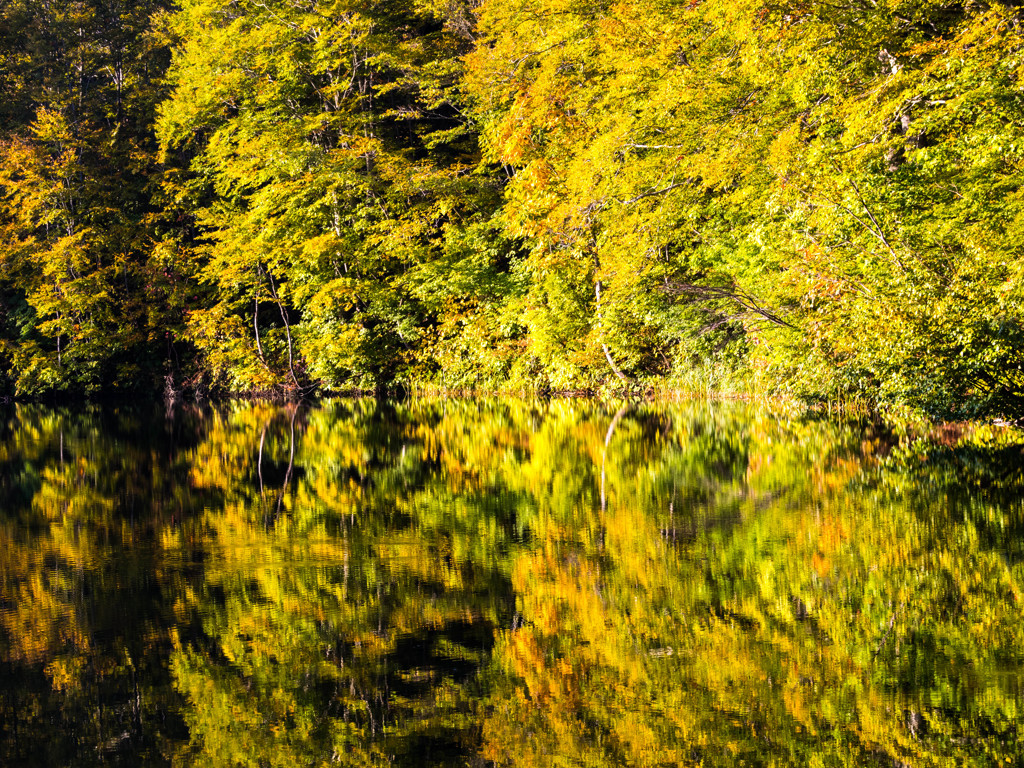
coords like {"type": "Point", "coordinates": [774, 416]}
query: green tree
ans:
{"type": "Point", "coordinates": [329, 162]}
{"type": "Point", "coordinates": [80, 305]}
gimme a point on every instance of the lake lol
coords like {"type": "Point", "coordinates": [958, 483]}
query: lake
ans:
{"type": "Point", "coordinates": [506, 583]}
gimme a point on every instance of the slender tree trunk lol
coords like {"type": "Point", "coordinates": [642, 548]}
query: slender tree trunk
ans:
{"type": "Point", "coordinates": [600, 332]}
{"type": "Point", "coordinates": [287, 328]}
{"type": "Point", "coordinates": [256, 319]}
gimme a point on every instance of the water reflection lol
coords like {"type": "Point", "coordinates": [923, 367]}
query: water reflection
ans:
{"type": "Point", "coordinates": [505, 583]}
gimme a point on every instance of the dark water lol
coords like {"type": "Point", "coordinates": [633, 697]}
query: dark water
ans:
{"type": "Point", "coordinates": [505, 583]}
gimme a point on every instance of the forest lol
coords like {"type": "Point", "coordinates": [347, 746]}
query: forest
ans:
{"type": "Point", "coordinates": [792, 197]}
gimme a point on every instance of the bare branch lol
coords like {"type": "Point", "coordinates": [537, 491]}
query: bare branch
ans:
{"type": "Point", "coordinates": [711, 292]}
{"type": "Point", "coordinates": [669, 188]}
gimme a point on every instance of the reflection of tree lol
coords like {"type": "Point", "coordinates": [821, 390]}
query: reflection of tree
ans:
{"type": "Point", "coordinates": [347, 624]}
{"type": "Point", "coordinates": [83, 652]}
{"type": "Point", "coordinates": [817, 626]}
{"type": "Point", "coordinates": [528, 583]}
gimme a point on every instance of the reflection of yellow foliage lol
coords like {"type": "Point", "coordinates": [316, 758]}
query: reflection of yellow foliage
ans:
{"type": "Point", "coordinates": [680, 589]}
{"type": "Point", "coordinates": [64, 672]}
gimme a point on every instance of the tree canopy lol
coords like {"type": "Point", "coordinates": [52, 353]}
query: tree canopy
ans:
{"type": "Point", "coordinates": [247, 196]}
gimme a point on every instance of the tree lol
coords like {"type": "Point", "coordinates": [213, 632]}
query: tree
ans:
{"type": "Point", "coordinates": [331, 163]}
{"type": "Point", "coordinates": [81, 306]}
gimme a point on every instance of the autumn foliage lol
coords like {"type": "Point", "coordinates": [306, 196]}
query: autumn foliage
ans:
{"type": "Point", "coordinates": [243, 196]}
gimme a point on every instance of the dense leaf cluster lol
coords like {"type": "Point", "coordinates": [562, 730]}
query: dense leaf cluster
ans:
{"type": "Point", "coordinates": [805, 197]}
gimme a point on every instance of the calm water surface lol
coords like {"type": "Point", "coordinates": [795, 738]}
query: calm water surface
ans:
{"type": "Point", "coordinates": [506, 583]}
